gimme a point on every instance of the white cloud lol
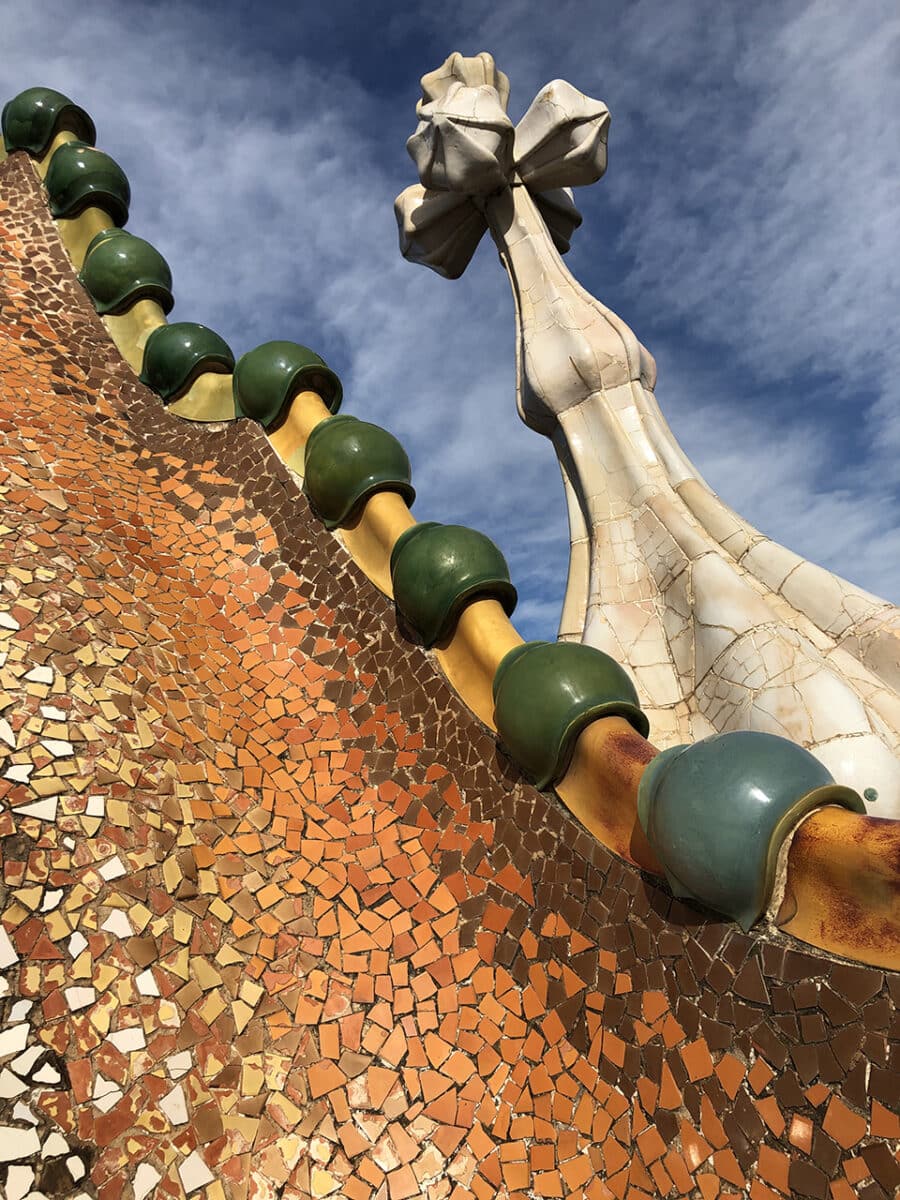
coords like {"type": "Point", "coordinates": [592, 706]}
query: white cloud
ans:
{"type": "Point", "coordinates": [747, 229]}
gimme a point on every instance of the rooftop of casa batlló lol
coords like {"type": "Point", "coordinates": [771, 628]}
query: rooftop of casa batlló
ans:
{"type": "Point", "coordinates": [283, 911]}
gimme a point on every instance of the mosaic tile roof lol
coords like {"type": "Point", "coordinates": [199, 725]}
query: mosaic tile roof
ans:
{"type": "Point", "coordinates": [279, 919]}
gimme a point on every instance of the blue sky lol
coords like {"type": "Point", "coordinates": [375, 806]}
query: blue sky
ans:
{"type": "Point", "coordinates": [748, 228]}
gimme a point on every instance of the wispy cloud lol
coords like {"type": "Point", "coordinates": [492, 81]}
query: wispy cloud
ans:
{"type": "Point", "coordinates": [747, 229]}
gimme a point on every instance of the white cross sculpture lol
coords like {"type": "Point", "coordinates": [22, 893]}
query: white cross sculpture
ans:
{"type": "Point", "coordinates": [720, 627]}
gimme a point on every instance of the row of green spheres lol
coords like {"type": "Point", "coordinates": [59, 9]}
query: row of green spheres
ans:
{"type": "Point", "coordinates": [716, 812]}
{"type": "Point", "coordinates": [79, 175]}
{"type": "Point", "coordinates": [435, 569]}
{"type": "Point", "coordinates": [119, 270]}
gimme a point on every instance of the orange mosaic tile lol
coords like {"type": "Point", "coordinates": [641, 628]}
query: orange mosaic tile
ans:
{"type": "Point", "coordinates": [279, 920]}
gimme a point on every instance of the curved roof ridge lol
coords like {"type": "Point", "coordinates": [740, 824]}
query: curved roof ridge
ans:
{"type": "Point", "coordinates": [562, 709]}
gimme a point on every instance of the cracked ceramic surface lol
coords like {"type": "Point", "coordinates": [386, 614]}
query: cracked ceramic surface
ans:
{"type": "Point", "coordinates": [722, 628]}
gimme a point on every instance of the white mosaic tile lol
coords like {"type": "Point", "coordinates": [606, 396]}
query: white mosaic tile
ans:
{"type": "Point", "coordinates": [179, 1064]}
{"type": "Point", "coordinates": [8, 955]}
{"type": "Point", "coordinates": [77, 943]}
{"type": "Point", "coordinates": [10, 1085]}
{"type": "Point", "coordinates": [20, 773]}
{"type": "Point", "coordinates": [54, 1146]}
{"type": "Point", "coordinates": [117, 924]}
{"type": "Point", "coordinates": [194, 1173]}
{"type": "Point", "coordinates": [107, 1094]}
{"type": "Point", "coordinates": [18, 1182]}
{"type": "Point", "coordinates": [96, 806]}
{"type": "Point", "coordinates": [51, 900]}
{"type": "Point", "coordinates": [58, 747]}
{"type": "Point", "coordinates": [16, 1144]}
{"type": "Point", "coordinates": [40, 674]}
{"type": "Point", "coordinates": [76, 1167]}
{"type": "Point", "coordinates": [113, 868]}
{"type": "Point", "coordinates": [128, 1040]}
{"type": "Point", "coordinates": [146, 984]}
{"type": "Point", "coordinates": [24, 1064]}
{"type": "Point", "coordinates": [13, 1041]}
{"type": "Point", "coordinates": [44, 810]}
{"type": "Point", "coordinates": [146, 1178]}
{"type": "Point", "coordinates": [174, 1106]}
{"type": "Point", "coordinates": [109, 1100]}
{"type": "Point", "coordinates": [79, 997]}
{"type": "Point", "coordinates": [47, 1074]}
{"type": "Point", "coordinates": [103, 1086]}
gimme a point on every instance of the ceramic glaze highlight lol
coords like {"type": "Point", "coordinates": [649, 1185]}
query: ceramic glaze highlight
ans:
{"type": "Point", "coordinates": [437, 570]}
{"type": "Point", "coordinates": [717, 813]}
{"type": "Point", "coordinates": [176, 354]}
{"type": "Point", "coordinates": [546, 693]}
{"type": "Point", "coordinates": [348, 460]}
{"type": "Point", "coordinates": [120, 269]}
{"type": "Point", "coordinates": [32, 119]}
{"type": "Point", "coordinates": [265, 380]}
{"type": "Point", "coordinates": [79, 176]}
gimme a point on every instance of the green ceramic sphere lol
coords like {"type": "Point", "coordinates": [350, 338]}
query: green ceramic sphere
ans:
{"type": "Point", "coordinates": [347, 461]}
{"type": "Point", "coordinates": [120, 269]}
{"type": "Point", "coordinates": [105, 235]}
{"type": "Point", "coordinates": [545, 693]}
{"type": "Point", "coordinates": [436, 570]}
{"type": "Point", "coordinates": [79, 176]}
{"type": "Point", "coordinates": [266, 378]}
{"type": "Point", "coordinates": [176, 354]}
{"type": "Point", "coordinates": [717, 813]}
{"type": "Point", "coordinates": [32, 119]}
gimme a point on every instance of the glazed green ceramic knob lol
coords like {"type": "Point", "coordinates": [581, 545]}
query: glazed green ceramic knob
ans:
{"type": "Point", "coordinates": [266, 378]}
{"type": "Point", "coordinates": [105, 235]}
{"type": "Point", "coordinates": [176, 354]}
{"type": "Point", "coordinates": [349, 460]}
{"type": "Point", "coordinates": [545, 693]}
{"type": "Point", "coordinates": [436, 570]}
{"type": "Point", "coordinates": [32, 119]}
{"type": "Point", "coordinates": [717, 813]}
{"type": "Point", "coordinates": [79, 176]}
{"type": "Point", "coordinates": [120, 269]}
